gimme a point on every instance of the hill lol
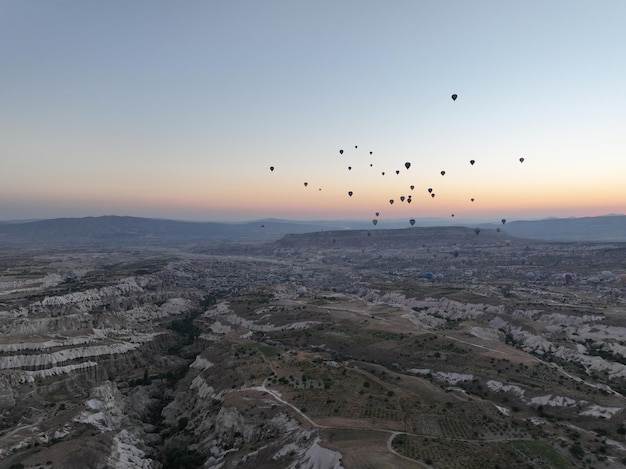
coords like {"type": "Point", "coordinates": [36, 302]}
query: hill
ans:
{"type": "Point", "coordinates": [122, 230]}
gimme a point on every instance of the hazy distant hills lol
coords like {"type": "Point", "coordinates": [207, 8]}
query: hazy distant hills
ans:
{"type": "Point", "coordinates": [608, 228]}
{"type": "Point", "coordinates": [117, 230]}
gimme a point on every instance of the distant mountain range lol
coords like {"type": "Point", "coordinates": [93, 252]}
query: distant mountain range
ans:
{"type": "Point", "coordinates": [119, 230]}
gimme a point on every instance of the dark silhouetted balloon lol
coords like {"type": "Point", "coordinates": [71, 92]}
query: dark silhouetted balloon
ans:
{"type": "Point", "coordinates": [350, 193]}
{"type": "Point", "coordinates": [306, 184]}
{"type": "Point", "coordinates": [349, 168]}
{"type": "Point", "coordinates": [402, 198]}
{"type": "Point", "coordinates": [262, 227]}
{"type": "Point", "coordinates": [472, 162]}
{"type": "Point", "coordinates": [412, 221]}
{"type": "Point", "coordinates": [454, 96]}
{"type": "Point", "coordinates": [409, 200]}
{"type": "Point", "coordinates": [377, 213]}
{"type": "Point", "coordinates": [432, 195]}
{"type": "Point", "coordinates": [355, 146]}
{"type": "Point", "coordinates": [430, 190]}
{"type": "Point", "coordinates": [375, 222]}
{"type": "Point", "coordinates": [472, 199]}
{"type": "Point", "coordinates": [391, 201]}
{"type": "Point", "coordinates": [370, 152]}
{"type": "Point", "coordinates": [477, 231]}
{"type": "Point", "coordinates": [341, 152]}
{"type": "Point", "coordinates": [503, 221]}
{"type": "Point", "coordinates": [407, 165]}
{"type": "Point", "coordinates": [412, 187]}
{"type": "Point", "coordinates": [443, 173]}
{"type": "Point", "coordinates": [452, 215]}
{"type": "Point", "coordinates": [371, 165]}
{"type": "Point", "coordinates": [383, 173]}
{"type": "Point", "coordinates": [397, 171]}
{"type": "Point", "coordinates": [271, 168]}
{"type": "Point", "coordinates": [521, 160]}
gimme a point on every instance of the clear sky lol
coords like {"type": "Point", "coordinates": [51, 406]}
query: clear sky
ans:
{"type": "Point", "coordinates": [178, 109]}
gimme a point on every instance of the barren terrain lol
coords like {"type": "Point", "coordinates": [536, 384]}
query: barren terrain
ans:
{"type": "Point", "coordinates": [355, 349]}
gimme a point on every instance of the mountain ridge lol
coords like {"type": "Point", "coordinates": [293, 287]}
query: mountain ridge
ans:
{"type": "Point", "coordinates": [127, 230]}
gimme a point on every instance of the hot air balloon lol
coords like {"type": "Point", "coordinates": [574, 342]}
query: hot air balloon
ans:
{"type": "Point", "coordinates": [521, 160]}
{"type": "Point", "coordinates": [349, 168]}
{"type": "Point", "coordinates": [412, 221]}
{"type": "Point", "coordinates": [503, 221]}
{"type": "Point", "coordinates": [391, 201]}
{"type": "Point", "coordinates": [443, 173]}
{"type": "Point", "coordinates": [383, 173]}
{"type": "Point", "coordinates": [375, 222]}
{"type": "Point", "coordinates": [477, 231]}
{"type": "Point", "coordinates": [402, 198]}
{"type": "Point", "coordinates": [472, 162]}
{"type": "Point", "coordinates": [432, 195]}
{"type": "Point", "coordinates": [355, 146]}
{"type": "Point", "coordinates": [377, 213]}
{"type": "Point", "coordinates": [453, 97]}
{"type": "Point", "coordinates": [350, 193]}
{"type": "Point", "coordinates": [407, 165]}
{"type": "Point", "coordinates": [430, 190]}
{"type": "Point", "coordinates": [271, 168]}
{"type": "Point", "coordinates": [452, 215]}
{"type": "Point", "coordinates": [341, 152]}
{"type": "Point", "coordinates": [409, 200]}
{"type": "Point", "coordinates": [472, 199]}
{"type": "Point", "coordinates": [370, 152]}
{"type": "Point", "coordinates": [397, 171]}
{"type": "Point", "coordinates": [306, 184]}
{"type": "Point", "coordinates": [412, 187]}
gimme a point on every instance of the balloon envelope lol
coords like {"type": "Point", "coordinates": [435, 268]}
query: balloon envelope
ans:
{"type": "Point", "coordinates": [454, 96]}
{"type": "Point", "coordinates": [412, 221]}
{"type": "Point", "coordinates": [407, 165]}
{"type": "Point", "coordinates": [391, 201]}
{"type": "Point", "coordinates": [375, 222]}
{"type": "Point", "coordinates": [472, 162]}
{"type": "Point", "coordinates": [271, 168]}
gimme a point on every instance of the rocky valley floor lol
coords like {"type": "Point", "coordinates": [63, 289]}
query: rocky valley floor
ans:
{"type": "Point", "coordinates": [399, 349]}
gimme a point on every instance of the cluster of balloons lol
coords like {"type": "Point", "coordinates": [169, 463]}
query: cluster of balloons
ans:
{"type": "Point", "coordinates": [408, 199]}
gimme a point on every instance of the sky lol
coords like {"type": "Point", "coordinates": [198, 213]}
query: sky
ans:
{"type": "Point", "coordinates": [178, 110]}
